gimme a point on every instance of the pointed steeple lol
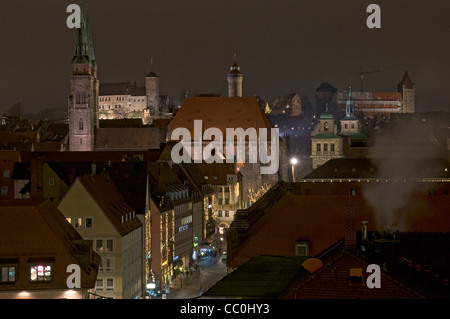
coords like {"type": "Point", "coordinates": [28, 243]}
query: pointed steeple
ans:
{"type": "Point", "coordinates": [350, 106]}
{"type": "Point", "coordinates": [406, 82]}
{"type": "Point", "coordinates": [235, 69]}
{"type": "Point", "coordinates": [84, 47]}
{"type": "Point", "coordinates": [90, 43]}
{"type": "Point", "coordinates": [152, 74]}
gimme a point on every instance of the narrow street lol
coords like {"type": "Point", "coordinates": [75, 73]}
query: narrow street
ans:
{"type": "Point", "coordinates": [210, 270]}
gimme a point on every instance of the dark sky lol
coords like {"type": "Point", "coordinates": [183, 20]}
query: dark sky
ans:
{"type": "Point", "coordinates": [283, 46]}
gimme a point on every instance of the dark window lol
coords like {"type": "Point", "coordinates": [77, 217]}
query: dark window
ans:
{"type": "Point", "coordinates": [8, 271]}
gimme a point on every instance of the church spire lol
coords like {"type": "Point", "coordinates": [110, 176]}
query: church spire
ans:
{"type": "Point", "coordinates": [350, 106]}
{"type": "Point", "coordinates": [84, 47]}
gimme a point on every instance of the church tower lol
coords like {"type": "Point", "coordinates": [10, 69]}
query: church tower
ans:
{"type": "Point", "coordinates": [152, 93]}
{"type": "Point", "coordinates": [350, 123]}
{"type": "Point", "coordinates": [408, 90]}
{"type": "Point", "coordinates": [84, 91]}
{"type": "Point", "coordinates": [326, 144]}
{"type": "Point", "coordinates": [235, 78]}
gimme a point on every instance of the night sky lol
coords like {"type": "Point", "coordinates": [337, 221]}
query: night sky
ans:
{"type": "Point", "coordinates": [283, 46]}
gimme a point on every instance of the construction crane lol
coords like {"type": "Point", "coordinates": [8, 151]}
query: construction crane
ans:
{"type": "Point", "coordinates": [363, 71]}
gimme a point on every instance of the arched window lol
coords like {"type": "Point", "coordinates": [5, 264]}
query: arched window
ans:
{"type": "Point", "coordinates": [81, 125]}
{"type": "Point", "coordinates": [78, 98]}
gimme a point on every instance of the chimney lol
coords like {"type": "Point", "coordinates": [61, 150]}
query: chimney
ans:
{"type": "Point", "coordinates": [94, 168]}
{"type": "Point", "coordinates": [349, 227]}
{"type": "Point", "coordinates": [364, 231]}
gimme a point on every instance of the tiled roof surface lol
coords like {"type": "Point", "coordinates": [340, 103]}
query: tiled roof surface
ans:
{"type": "Point", "coordinates": [129, 138]}
{"type": "Point", "coordinates": [261, 277]}
{"type": "Point", "coordinates": [124, 88]}
{"type": "Point", "coordinates": [37, 228]}
{"type": "Point", "coordinates": [372, 168]}
{"type": "Point", "coordinates": [314, 211]}
{"type": "Point", "coordinates": [106, 194]}
{"type": "Point", "coordinates": [221, 113]}
{"type": "Point", "coordinates": [332, 282]}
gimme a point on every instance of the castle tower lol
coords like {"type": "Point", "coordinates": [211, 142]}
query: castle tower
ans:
{"type": "Point", "coordinates": [235, 78]}
{"type": "Point", "coordinates": [408, 90]}
{"type": "Point", "coordinates": [350, 123]}
{"type": "Point", "coordinates": [84, 91]}
{"type": "Point", "coordinates": [152, 92]}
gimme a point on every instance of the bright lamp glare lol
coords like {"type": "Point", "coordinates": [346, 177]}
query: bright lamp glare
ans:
{"type": "Point", "coordinates": [294, 161]}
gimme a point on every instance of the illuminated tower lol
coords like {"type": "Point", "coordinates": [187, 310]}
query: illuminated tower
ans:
{"type": "Point", "coordinates": [350, 123]}
{"type": "Point", "coordinates": [408, 90]}
{"type": "Point", "coordinates": [84, 91]}
{"type": "Point", "coordinates": [235, 78]}
{"type": "Point", "coordinates": [152, 92]}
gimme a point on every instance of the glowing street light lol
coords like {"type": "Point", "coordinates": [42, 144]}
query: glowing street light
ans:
{"type": "Point", "coordinates": [294, 162]}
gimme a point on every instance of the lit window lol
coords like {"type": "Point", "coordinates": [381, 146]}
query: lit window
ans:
{"type": "Point", "coordinates": [69, 220]}
{"type": "Point", "coordinates": [78, 222]}
{"type": "Point", "coordinates": [41, 272]}
{"type": "Point", "coordinates": [51, 182]}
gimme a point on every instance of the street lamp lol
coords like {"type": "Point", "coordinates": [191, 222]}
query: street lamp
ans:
{"type": "Point", "coordinates": [294, 162]}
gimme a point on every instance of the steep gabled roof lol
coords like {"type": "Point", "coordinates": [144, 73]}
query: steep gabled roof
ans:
{"type": "Point", "coordinates": [106, 194]}
{"type": "Point", "coordinates": [406, 81]}
{"type": "Point", "coordinates": [27, 224]}
{"type": "Point", "coordinates": [221, 113]}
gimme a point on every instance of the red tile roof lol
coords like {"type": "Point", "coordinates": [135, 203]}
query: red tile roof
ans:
{"type": "Point", "coordinates": [36, 228]}
{"type": "Point", "coordinates": [221, 113]}
{"type": "Point", "coordinates": [332, 282]}
{"type": "Point", "coordinates": [106, 194]}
